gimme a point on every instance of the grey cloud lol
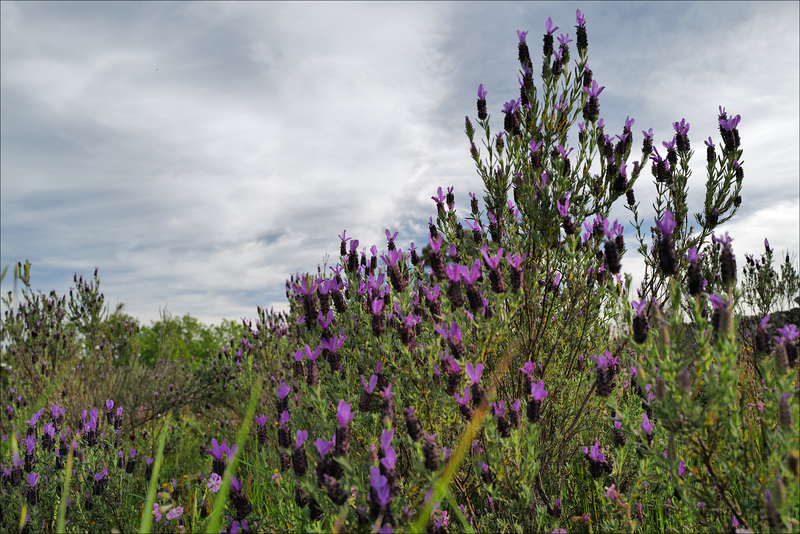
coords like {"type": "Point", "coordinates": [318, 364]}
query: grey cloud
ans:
{"type": "Point", "coordinates": [204, 152]}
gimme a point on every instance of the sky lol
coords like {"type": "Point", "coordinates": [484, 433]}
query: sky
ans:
{"type": "Point", "coordinates": [200, 153]}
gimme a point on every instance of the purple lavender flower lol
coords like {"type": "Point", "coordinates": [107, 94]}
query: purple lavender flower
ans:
{"type": "Point", "coordinates": [695, 274]}
{"type": "Point", "coordinates": [641, 325]}
{"type": "Point", "coordinates": [646, 425]}
{"type": "Point", "coordinates": [667, 256]}
{"type": "Point", "coordinates": [591, 109]}
{"type": "Point", "coordinates": [789, 332]}
{"type": "Point", "coordinates": [727, 262]}
{"type": "Point", "coordinates": [100, 481]}
{"type": "Point", "coordinates": [474, 372]}
{"type": "Point", "coordinates": [721, 320]}
{"type": "Point", "coordinates": [323, 447]}
{"type": "Point", "coordinates": [217, 452]}
{"type": "Point", "coordinates": [482, 114]}
{"type": "Point", "coordinates": [175, 513]}
{"type": "Point", "coordinates": [33, 491]}
{"type": "Point", "coordinates": [373, 381]}
{"type": "Point", "coordinates": [35, 418]}
{"type": "Point", "coordinates": [344, 413]}
{"type": "Point", "coordinates": [681, 135]}
{"type": "Point", "coordinates": [604, 377]}
{"type": "Point", "coordinates": [597, 460]}
{"type": "Point", "coordinates": [538, 392]}
{"type": "Point", "coordinates": [527, 370]}
{"type": "Point", "coordinates": [412, 424]}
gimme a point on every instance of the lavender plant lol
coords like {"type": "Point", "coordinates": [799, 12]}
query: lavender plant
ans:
{"type": "Point", "coordinates": [514, 381]}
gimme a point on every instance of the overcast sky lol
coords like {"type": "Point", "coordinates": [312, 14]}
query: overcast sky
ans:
{"type": "Point", "coordinates": [200, 153]}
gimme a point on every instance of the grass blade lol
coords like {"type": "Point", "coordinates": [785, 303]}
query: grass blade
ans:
{"type": "Point", "coordinates": [224, 489]}
{"type": "Point", "coordinates": [147, 512]}
{"type": "Point", "coordinates": [62, 507]}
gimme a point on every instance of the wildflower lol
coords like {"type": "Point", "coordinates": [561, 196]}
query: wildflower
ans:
{"type": "Point", "coordinates": [604, 377]}
{"type": "Point", "coordinates": [641, 325]}
{"type": "Point", "coordinates": [538, 393]}
{"type": "Point", "coordinates": [284, 439]}
{"type": "Point", "coordinates": [563, 42]}
{"type": "Point", "coordinates": [110, 411]}
{"type": "Point", "coordinates": [727, 262]}
{"type": "Point", "coordinates": [722, 319]}
{"type": "Point", "coordinates": [344, 415]}
{"type": "Point", "coordinates": [240, 501]}
{"type": "Point", "coordinates": [597, 460]}
{"type": "Point", "coordinates": [647, 426]}
{"type": "Point", "coordinates": [581, 40]}
{"type": "Point", "coordinates": [437, 260]}
{"type": "Point", "coordinates": [524, 53]}
{"type": "Point", "coordinates": [474, 375]}
{"type": "Point", "coordinates": [369, 388]}
{"type": "Point", "coordinates": [454, 272]}
{"type": "Point", "coordinates": [48, 437]}
{"type": "Point", "coordinates": [100, 481]}
{"type": "Point", "coordinates": [728, 130]}
{"type": "Point", "coordinates": [412, 424]}
{"type": "Point", "coordinates": [157, 512]}
{"type": "Point", "coordinates": [611, 249]}
{"type": "Point", "coordinates": [511, 120]}
{"type": "Point", "coordinates": [619, 437]}
{"type": "Point", "coordinates": [148, 470]}
{"type": "Point", "coordinates": [515, 418]}
{"type": "Point", "coordinates": [175, 513]}
{"type": "Point", "coordinates": [33, 491]}
{"type": "Point", "coordinates": [464, 404]}
{"type": "Point", "coordinates": [482, 103]}
{"type": "Point", "coordinates": [299, 455]}
{"type": "Point", "coordinates": [666, 245]}
{"type": "Point", "coordinates": [431, 452]}
{"type": "Point", "coordinates": [30, 442]}
{"type": "Point", "coordinates": [387, 407]}
{"type": "Point", "coordinates": [563, 210]}
{"type": "Point", "coordinates": [527, 374]}
{"type": "Point", "coordinates": [335, 490]}
{"type": "Point", "coordinates": [591, 109]}
{"type": "Point", "coordinates": [789, 333]}
{"type": "Point", "coordinates": [453, 336]}
{"type": "Point", "coordinates": [681, 135]}
{"type": "Point", "coordinates": [695, 274]}
{"type": "Point", "coordinates": [217, 452]}
{"type": "Point", "coordinates": [647, 143]}
{"type": "Point", "coordinates": [470, 276]}
{"type": "Point", "coordinates": [453, 371]}
{"type": "Point", "coordinates": [380, 496]}
{"type": "Point", "coordinates": [499, 411]}
{"type": "Point", "coordinates": [547, 48]}
{"type": "Point", "coordinates": [330, 348]}
{"type": "Point", "coordinates": [495, 274]}
{"type": "Point", "coordinates": [214, 482]}
{"type": "Point", "coordinates": [612, 494]}
{"type": "Point", "coordinates": [261, 429]}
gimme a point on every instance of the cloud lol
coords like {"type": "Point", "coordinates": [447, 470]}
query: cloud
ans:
{"type": "Point", "coordinates": [201, 153]}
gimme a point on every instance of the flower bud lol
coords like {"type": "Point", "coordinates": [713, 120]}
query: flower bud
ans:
{"type": "Point", "coordinates": [431, 452]}
{"type": "Point", "coordinates": [412, 424]}
{"type": "Point", "coordinates": [785, 412]}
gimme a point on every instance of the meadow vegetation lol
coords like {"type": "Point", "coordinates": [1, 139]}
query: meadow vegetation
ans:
{"type": "Point", "coordinates": [502, 376]}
